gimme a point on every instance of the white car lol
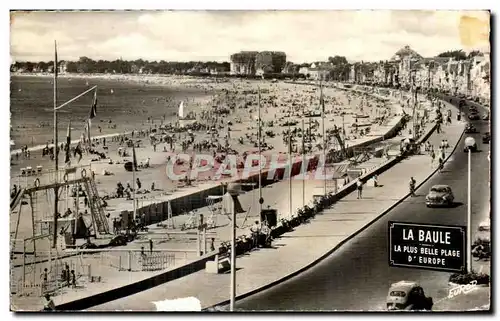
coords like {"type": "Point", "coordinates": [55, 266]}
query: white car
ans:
{"type": "Point", "coordinates": [485, 225]}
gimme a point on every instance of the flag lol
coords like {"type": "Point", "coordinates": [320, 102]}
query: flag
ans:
{"type": "Point", "coordinates": [55, 59]}
{"type": "Point", "coordinates": [68, 143]}
{"type": "Point", "coordinates": [93, 109]}
{"type": "Point", "coordinates": [87, 130]}
{"type": "Point", "coordinates": [134, 158]}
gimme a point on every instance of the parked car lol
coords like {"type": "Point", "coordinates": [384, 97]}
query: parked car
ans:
{"type": "Point", "coordinates": [486, 138]}
{"type": "Point", "coordinates": [474, 116]}
{"type": "Point", "coordinates": [439, 195]}
{"type": "Point", "coordinates": [407, 295]}
{"type": "Point", "coordinates": [470, 129]}
{"type": "Point", "coordinates": [470, 144]}
{"type": "Point", "coordinates": [485, 225]}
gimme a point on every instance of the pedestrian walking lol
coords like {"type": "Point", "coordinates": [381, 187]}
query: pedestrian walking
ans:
{"type": "Point", "coordinates": [359, 185]}
{"type": "Point", "coordinates": [440, 166]}
{"type": "Point", "coordinates": [73, 279]}
{"type": "Point", "coordinates": [255, 229]}
{"type": "Point", "coordinates": [85, 201]}
{"type": "Point", "coordinates": [150, 245]}
{"type": "Point", "coordinates": [412, 186]}
{"type": "Point", "coordinates": [433, 157]}
{"type": "Point", "coordinates": [138, 181]}
{"type": "Point", "coordinates": [212, 244]}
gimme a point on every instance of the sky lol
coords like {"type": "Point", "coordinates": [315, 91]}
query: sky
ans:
{"type": "Point", "coordinates": [305, 36]}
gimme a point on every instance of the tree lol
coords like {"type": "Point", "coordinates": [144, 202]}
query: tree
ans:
{"type": "Point", "coordinates": [337, 60]}
{"type": "Point", "coordinates": [455, 54]}
{"type": "Point", "coordinates": [474, 53]}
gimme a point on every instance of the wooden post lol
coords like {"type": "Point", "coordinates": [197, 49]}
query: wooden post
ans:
{"type": "Point", "coordinates": [32, 224]}
{"type": "Point", "coordinates": [24, 266]}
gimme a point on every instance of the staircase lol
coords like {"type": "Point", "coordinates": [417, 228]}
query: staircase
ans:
{"type": "Point", "coordinates": [97, 211]}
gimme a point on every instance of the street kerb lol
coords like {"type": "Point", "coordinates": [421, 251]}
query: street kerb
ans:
{"type": "Point", "coordinates": [322, 257]}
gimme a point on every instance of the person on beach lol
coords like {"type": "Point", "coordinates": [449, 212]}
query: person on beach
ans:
{"type": "Point", "coordinates": [138, 181]}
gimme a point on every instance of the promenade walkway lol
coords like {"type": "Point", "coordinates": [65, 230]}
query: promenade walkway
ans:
{"type": "Point", "coordinates": [276, 193]}
{"type": "Point", "coordinates": [300, 248]}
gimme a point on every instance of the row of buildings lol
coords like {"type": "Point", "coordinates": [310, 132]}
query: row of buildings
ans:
{"type": "Point", "coordinates": [255, 63]}
{"type": "Point", "coordinates": [469, 76]}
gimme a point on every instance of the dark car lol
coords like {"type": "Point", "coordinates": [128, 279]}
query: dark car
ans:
{"type": "Point", "coordinates": [473, 109]}
{"type": "Point", "coordinates": [407, 295]}
{"type": "Point", "coordinates": [470, 129]}
{"type": "Point", "coordinates": [474, 116]}
{"type": "Point", "coordinates": [439, 195]}
{"type": "Point", "coordinates": [486, 138]}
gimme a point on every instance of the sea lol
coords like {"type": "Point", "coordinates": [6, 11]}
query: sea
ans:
{"type": "Point", "coordinates": [121, 107]}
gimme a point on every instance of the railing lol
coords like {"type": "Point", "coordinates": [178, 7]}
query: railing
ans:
{"type": "Point", "coordinates": [28, 176]}
{"type": "Point", "coordinates": [90, 265]}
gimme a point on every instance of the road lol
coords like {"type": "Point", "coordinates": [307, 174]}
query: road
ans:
{"type": "Point", "coordinates": [357, 276]}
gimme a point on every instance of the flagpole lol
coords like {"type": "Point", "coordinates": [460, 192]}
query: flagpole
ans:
{"type": "Point", "coordinates": [133, 180]}
{"type": "Point", "coordinates": [133, 188]}
{"type": "Point", "coordinates": [290, 161]}
{"type": "Point", "coordinates": [324, 138]}
{"type": "Point", "coordinates": [56, 157]}
{"type": "Point", "coordinates": [260, 156]}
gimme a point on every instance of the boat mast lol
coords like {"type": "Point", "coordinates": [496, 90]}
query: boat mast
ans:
{"type": "Point", "coordinates": [260, 155]}
{"type": "Point", "coordinates": [56, 156]}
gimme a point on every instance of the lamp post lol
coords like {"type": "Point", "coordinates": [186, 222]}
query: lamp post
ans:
{"type": "Point", "coordinates": [290, 162]}
{"type": "Point", "coordinates": [469, 214]}
{"type": "Point", "coordinates": [260, 156]}
{"type": "Point", "coordinates": [233, 190]}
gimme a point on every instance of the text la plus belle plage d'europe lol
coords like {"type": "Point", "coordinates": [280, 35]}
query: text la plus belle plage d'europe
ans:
{"type": "Point", "coordinates": [427, 237]}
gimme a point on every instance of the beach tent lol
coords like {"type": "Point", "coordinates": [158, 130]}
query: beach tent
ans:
{"type": "Point", "coordinates": [81, 229]}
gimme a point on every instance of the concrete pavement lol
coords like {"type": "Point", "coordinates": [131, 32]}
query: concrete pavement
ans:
{"type": "Point", "coordinates": [300, 248]}
{"type": "Point", "coordinates": [360, 268]}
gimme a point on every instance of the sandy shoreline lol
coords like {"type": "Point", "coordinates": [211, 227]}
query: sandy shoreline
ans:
{"type": "Point", "coordinates": [161, 80]}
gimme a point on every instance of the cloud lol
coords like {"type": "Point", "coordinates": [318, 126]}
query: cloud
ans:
{"type": "Point", "coordinates": [215, 35]}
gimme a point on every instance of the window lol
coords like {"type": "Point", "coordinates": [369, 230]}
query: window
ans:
{"type": "Point", "coordinates": [401, 294]}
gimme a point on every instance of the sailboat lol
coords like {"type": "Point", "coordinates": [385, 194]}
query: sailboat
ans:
{"type": "Point", "coordinates": [181, 110]}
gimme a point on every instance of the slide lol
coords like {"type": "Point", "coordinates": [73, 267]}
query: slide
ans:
{"type": "Point", "coordinates": [15, 201]}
